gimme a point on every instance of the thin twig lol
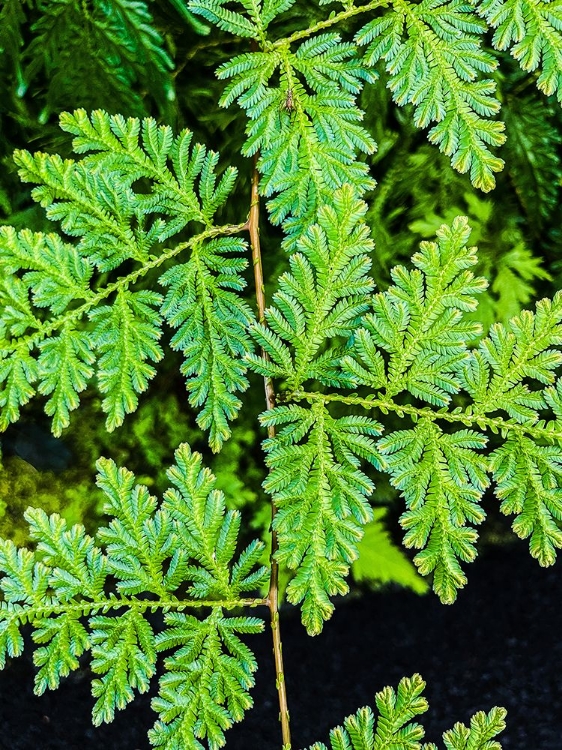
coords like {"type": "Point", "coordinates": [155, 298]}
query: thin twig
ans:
{"type": "Point", "coordinates": [273, 595]}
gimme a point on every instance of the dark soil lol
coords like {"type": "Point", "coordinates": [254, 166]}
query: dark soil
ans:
{"type": "Point", "coordinates": [500, 644]}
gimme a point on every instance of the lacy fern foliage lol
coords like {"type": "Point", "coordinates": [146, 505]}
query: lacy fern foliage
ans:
{"type": "Point", "coordinates": [408, 355]}
{"type": "Point", "coordinates": [113, 45]}
{"type": "Point", "coordinates": [393, 727]}
{"type": "Point", "coordinates": [532, 31]}
{"type": "Point", "coordinates": [67, 315]}
{"type": "Point", "coordinates": [305, 125]}
{"type": "Point", "coordinates": [168, 556]}
{"type": "Point", "coordinates": [400, 382]}
{"type": "Point", "coordinates": [433, 54]}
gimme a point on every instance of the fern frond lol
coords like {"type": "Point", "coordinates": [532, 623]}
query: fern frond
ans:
{"type": "Point", "coordinates": [206, 685]}
{"type": "Point", "coordinates": [62, 589]}
{"type": "Point", "coordinates": [433, 56]}
{"type": "Point", "coordinates": [528, 482]}
{"type": "Point", "coordinates": [306, 128]}
{"type": "Point", "coordinates": [532, 31]}
{"type": "Point", "coordinates": [442, 479]}
{"type": "Point", "coordinates": [123, 651]}
{"type": "Point", "coordinates": [212, 322]}
{"type": "Point", "coordinates": [533, 148]}
{"type": "Point", "coordinates": [495, 373]}
{"type": "Point", "coordinates": [251, 23]}
{"type": "Point", "coordinates": [208, 533]}
{"type": "Point", "coordinates": [419, 322]}
{"type": "Point", "coordinates": [321, 298]}
{"type": "Point", "coordinates": [483, 728]}
{"type": "Point", "coordinates": [394, 728]}
{"type": "Point", "coordinates": [229, 20]}
{"type": "Point", "coordinates": [321, 498]}
{"type": "Point", "coordinates": [50, 288]}
{"type": "Point", "coordinates": [416, 341]}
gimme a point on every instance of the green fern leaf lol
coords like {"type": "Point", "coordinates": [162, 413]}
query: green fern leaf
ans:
{"type": "Point", "coordinates": [494, 374]}
{"type": "Point", "coordinates": [212, 323]}
{"type": "Point", "coordinates": [442, 479]}
{"type": "Point", "coordinates": [125, 335]}
{"type": "Point", "coordinates": [208, 533]}
{"type": "Point", "coordinates": [483, 728]}
{"type": "Point", "coordinates": [392, 728]}
{"type": "Point", "coordinates": [433, 55]}
{"type": "Point", "coordinates": [321, 298]}
{"type": "Point", "coordinates": [62, 589]}
{"type": "Point", "coordinates": [229, 20]}
{"type": "Point", "coordinates": [308, 142]}
{"type": "Point", "coordinates": [321, 498]}
{"type": "Point", "coordinates": [532, 31]}
{"type": "Point", "coordinates": [205, 688]}
{"type": "Point", "coordinates": [124, 652]}
{"type": "Point", "coordinates": [419, 322]}
{"type": "Point", "coordinates": [528, 478]}
{"type": "Point", "coordinates": [67, 639]}
{"type": "Point", "coordinates": [50, 288]}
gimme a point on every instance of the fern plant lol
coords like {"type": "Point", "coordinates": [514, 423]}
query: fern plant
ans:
{"type": "Point", "coordinates": [359, 383]}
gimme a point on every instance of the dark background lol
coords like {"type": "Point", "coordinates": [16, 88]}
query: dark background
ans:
{"type": "Point", "coordinates": [500, 644]}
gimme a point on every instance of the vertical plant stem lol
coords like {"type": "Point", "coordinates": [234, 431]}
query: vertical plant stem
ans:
{"type": "Point", "coordinates": [273, 595]}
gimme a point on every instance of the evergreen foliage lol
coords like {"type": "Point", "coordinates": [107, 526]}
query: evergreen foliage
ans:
{"type": "Point", "coordinates": [95, 201]}
{"type": "Point", "coordinates": [113, 43]}
{"type": "Point", "coordinates": [433, 55]}
{"type": "Point", "coordinates": [180, 552]}
{"type": "Point", "coordinates": [391, 729]}
{"type": "Point", "coordinates": [411, 384]}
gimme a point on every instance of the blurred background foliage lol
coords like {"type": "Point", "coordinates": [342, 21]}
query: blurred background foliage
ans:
{"type": "Point", "coordinates": [154, 58]}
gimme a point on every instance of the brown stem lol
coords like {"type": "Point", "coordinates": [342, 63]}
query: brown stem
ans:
{"type": "Point", "coordinates": [273, 595]}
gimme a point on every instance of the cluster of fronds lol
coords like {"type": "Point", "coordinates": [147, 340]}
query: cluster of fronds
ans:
{"type": "Point", "coordinates": [393, 730]}
{"type": "Point", "coordinates": [66, 316]}
{"type": "Point", "coordinates": [407, 352]}
{"type": "Point", "coordinates": [138, 209]}
{"type": "Point", "coordinates": [300, 93]}
{"type": "Point", "coordinates": [325, 328]}
{"type": "Point", "coordinates": [82, 594]}
{"type": "Point", "coordinates": [113, 45]}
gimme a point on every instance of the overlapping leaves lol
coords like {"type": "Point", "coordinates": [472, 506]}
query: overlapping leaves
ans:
{"type": "Point", "coordinates": [65, 314]}
{"type": "Point", "coordinates": [420, 323]}
{"type": "Point", "coordinates": [321, 496]}
{"type": "Point", "coordinates": [164, 555]}
{"type": "Point", "coordinates": [532, 31]}
{"type": "Point", "coordinates": [433, 53]}
{"type": "Point", "coordinates": [321, 298]}
{"type": "Point", "coordinates": [410, 351]}
{"type": "Point", "coordinates": [416, 340]}
{"type": "Point", "coordinates": [304, 122]}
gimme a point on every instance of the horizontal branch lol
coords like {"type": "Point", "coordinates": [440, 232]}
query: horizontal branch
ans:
{"type": "Point", "coordinates": [333, 20]}
{"type": "Point", "coordinates": [496, 424]}
{"type": "Point", "coordinates": [28, 614]}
